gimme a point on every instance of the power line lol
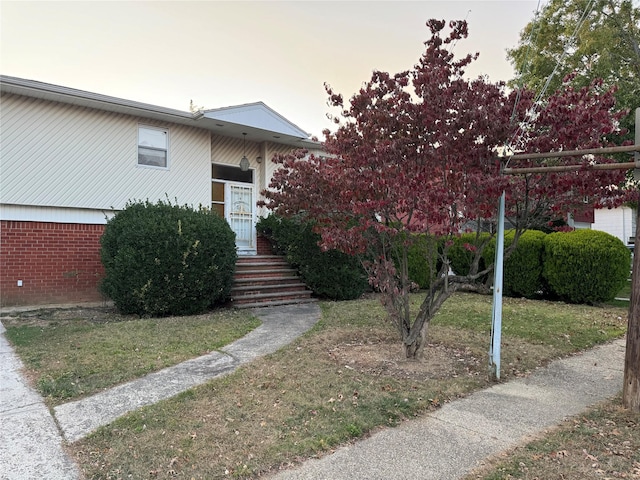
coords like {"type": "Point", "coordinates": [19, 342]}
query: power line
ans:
{"type": "Point", "coordinates": [526, 60]}
{"type": "Point", "coordinates": [538, 99]}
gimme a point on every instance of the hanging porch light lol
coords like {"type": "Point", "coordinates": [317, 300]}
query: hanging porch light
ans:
{"type": "Point", "coordinates": [244, 162]}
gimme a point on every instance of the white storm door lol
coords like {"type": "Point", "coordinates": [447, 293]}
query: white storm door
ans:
{"type": "Point", "coordinates": [240, 215]}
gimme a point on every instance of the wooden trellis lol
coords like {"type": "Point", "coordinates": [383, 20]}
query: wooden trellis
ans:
{"type": "Point", "coordinates": [631, 389]}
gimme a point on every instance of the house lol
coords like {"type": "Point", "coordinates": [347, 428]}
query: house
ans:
{"type": "Point", "coordinates": [619, 222]}
{"type": "Point", "coordinates": [70, 159]}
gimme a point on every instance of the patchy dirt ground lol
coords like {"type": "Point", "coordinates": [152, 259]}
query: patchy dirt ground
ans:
{"type": "Point", "coordinates": [59, 316]}
{"type": "Point", "coordinates": [385, 358]}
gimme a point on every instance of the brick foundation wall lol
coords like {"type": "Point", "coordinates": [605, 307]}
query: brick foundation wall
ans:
{"type": "Point", "coordinates": [57, 262]}
{"type": "Point", "coordinates": [263, 246]}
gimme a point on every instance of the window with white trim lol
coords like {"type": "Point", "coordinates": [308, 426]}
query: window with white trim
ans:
{"type": "Point", "coordinates": [153, 146]}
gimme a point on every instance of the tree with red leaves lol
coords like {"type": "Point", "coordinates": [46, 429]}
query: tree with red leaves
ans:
{"type": "Point", "coordinates": [417, 153]}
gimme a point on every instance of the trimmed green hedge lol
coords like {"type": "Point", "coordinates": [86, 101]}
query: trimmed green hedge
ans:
{"type": "Point", "coordinates": [163, 259]}
{"type": "Point", "coordinates": [423, 260]}
{"type": "Point", "coordinates": [331, 274]}
{"type": "Point", "coordinates": [522, 274]}
{"type": "Point", "coordinates": [585, 266]}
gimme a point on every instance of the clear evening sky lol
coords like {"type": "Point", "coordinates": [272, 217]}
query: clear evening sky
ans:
{"type": "Point", "coordinates": [227, 53]}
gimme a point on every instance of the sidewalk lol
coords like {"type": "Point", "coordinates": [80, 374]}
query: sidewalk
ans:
{"type": "Point", "coordinates": [452, 441]}
{"type": "Point", "coordinates": [443, 445]}
{"type": "Point", "coordinates": [30, 443]}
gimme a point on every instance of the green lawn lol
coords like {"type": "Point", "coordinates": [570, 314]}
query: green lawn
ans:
{"type": "Point", "coordinates": [339, 382]}
{"type": "Point", "coordinates": [72, 357]}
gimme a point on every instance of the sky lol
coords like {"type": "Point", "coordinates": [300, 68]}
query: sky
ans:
{"type": "Point", "coordinates": [218, 54]}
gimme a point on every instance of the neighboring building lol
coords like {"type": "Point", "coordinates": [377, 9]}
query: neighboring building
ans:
{"type": "Point", "coordinates": [70, 159]}
{"type": "Point", "coordinates": [619, 222]}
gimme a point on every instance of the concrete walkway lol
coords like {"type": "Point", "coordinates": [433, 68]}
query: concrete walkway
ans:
{"type": "Point", "coordinates": [452, 441]}
{"type": "Point", "coordinates": [443, 445]}
{"type": "Point", "coordinates": [30, 442]}
{"type": "Point", "coordinates": [280, 326]}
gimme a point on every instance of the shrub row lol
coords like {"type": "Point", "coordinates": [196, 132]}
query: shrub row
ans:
{"type": "Point", "coordinates": [163, 259]}
{"type": "Point", "coordinates": [329, 274]}
{"type": "Point", "coordinates": [582, 266]}
{"type": "Point", "coordinates": [585, 266]}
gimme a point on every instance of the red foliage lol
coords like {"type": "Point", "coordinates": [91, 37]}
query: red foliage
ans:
{"type": "Point", "coordinates": [417, 152]}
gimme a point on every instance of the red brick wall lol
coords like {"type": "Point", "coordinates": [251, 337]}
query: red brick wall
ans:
{"type": "Point", "coordinates": [264, 246]}
{"type": "Point", "coordinates": [57, 262]}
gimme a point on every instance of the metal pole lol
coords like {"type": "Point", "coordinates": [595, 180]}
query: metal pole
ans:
{"type": "Point", "coordinates": [496, 314]}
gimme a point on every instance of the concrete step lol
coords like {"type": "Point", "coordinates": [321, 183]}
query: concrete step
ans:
{"type": "Point", "coordinates": [268, 298]}
{"type": "Point", "coordinates": [266, 272]}
{"type": "Point", "coordinates": [261, 259]}
{"type": "Point", "coordinates": [260, 265]}
{"type": "Point", "coordinates": [238, 291]}
{"type": "Point", "coordinates": [274, 303]}
{"type": "Point", "coordinates": [263, 280]}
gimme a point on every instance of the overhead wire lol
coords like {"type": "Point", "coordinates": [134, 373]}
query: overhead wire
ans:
{"type": "Point", "coordinates": [530, 40]}
{"type": "Point", "coordinates": [537, 101]}
{"type": "Point", "coordinates": [455, 42]}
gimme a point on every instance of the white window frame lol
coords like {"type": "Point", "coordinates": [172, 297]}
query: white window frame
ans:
{"type": "Point", "coordinates": [166, 149]}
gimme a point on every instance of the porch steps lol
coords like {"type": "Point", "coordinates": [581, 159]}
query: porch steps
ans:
{"type": "Point", "coordinates": [267, 280]}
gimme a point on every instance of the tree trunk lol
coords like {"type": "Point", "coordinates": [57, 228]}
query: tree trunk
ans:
{"type": "Point", "coordinates": [414, 348]}
{"type": "Point", "coordinates": [631, 390]}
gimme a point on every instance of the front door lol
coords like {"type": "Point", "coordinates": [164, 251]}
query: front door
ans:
{"type": "Point", "coordinates": [240, 215]}
{"type": "Point", "coordinates": [233, 197]}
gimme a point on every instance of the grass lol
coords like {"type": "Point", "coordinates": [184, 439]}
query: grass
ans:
{"type": "Point", "coordinates": [625, 292]}
{"type": "Point", "coordinates": [563, 327]}
{"type": "Point", "coordinates": [322, 391]}
{"type": "Point", "coordinates": [74, 357]}
{"type": "Point", "coordinates": [624, 295]}
{"type": "Point", "coordinates": [602, 443]}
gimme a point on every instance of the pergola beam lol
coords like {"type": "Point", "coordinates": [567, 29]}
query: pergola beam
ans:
{"type": "Point", "coordinates": [574, 153]}
{"type": "Point", "coordinates": [571, 168]}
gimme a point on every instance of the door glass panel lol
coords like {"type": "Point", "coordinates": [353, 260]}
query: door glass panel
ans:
{"type": "Point", "coordinates": [218, 208]}
{"type": "Point", "coordinates": [217, 192]}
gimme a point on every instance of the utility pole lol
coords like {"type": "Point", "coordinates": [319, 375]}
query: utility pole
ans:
{"type": "Point", "coordinates": [631, 390]}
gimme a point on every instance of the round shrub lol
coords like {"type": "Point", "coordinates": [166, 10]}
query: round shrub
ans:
{"type": "Point", "coordinates": [585, 266]}
{"type": "Point", "coordinates": [163, 259]}
{"type": "Point", "coordinates": [423, 260]}
{"type": "Point", "coordinates": [522, 273]}
{"type": "Point", "coordinates": [331, 274]}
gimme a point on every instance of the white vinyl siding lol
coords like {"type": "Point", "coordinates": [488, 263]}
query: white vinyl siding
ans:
{"type": "Point", "coordinates": [619, 222]}
{"type": "Point", "coordinates": [30, 213]}
{"type": "Point", "coordinates": [268, 167]}
{"type": "Point", "coordinates": [61, 155]}
{"type": "Point", "coordinates": [230, 150]}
